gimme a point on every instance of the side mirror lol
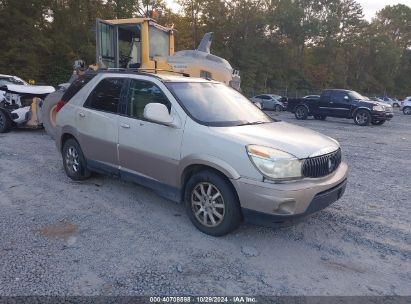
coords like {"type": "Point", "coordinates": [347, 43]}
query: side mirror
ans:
{"type": "Point", "coordinates": [346, 98]}
{"type": "Point", "coordinates": [157, 112]}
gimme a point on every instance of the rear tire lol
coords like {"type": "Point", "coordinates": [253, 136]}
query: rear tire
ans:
{"type": "Point", "coordinates": [378, 122]}
{"type": "Point", "coordinates": [301, 113]}
{"type": "Point", "coordinates": [74, 161]}
{"type": "Point", "coordinates": [49, 113]}
{"type": "Point", "coordinates": [5, 122]}
{"type": "Point", "coordinates": [212, 204]}
{"type": "Point", "coordinates": [320, 117]}
{"type": "Point", "coordinates": [407, 110]}
{"type": "Point", "coordinates": [362, 117]}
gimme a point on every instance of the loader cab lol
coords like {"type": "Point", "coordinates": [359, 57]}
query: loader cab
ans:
{"type": "Point", "coordinates": [133, 43]}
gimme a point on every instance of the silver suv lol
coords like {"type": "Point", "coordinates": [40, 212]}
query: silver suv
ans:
{"type": "Point", "coordinates": [199, 142]}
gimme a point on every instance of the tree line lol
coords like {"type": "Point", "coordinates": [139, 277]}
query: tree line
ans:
{"type": "Point", "coordinates": [278, 45]}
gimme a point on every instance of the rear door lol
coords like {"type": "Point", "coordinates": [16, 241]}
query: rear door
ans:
{"type": "Point", "coordinates": [97, 123]}
{"type": "Point", "coordinates": [266, 102]}
{"type": "Point", "coordinates": [324, 103]}
{"type": "Point", "coordinates": [148, 152]}
{"type": "Point", "coordinates": [106, 44]}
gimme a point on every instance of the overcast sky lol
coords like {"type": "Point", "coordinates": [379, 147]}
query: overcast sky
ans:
{"type": "Point", "coordinates": [370, 7]}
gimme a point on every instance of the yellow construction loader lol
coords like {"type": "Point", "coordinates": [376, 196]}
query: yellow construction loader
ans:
{"type": "Point", "coordinates": [144, 45]}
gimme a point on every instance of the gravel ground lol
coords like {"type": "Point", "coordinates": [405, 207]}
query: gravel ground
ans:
{"type": "Point", "coordinates": [108, 237]}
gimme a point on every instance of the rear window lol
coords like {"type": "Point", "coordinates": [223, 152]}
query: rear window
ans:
{"type": "Point", "coordinates": [76, 86]}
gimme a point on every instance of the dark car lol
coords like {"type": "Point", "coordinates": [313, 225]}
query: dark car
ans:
{"type": "Point", "coordinates": [343, 104]}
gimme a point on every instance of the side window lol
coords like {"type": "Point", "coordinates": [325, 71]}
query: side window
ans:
{"type": "Point", "coordinates": [326, 94]}
{"type": "Point", "coordinates": [265, 97]}
{"type": "Point", "coordinates": [76, 86]}
{"type": "Point", "coordinates": [338, 96]}
{"type": "Point", "coordinates": [205, 74]}
{"type": "Point", "coordinates": [142, 93]}
{"type": "Point", "coordinates": [106, 95]}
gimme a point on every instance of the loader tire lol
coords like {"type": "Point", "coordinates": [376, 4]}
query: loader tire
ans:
{"type": "Point", "coordinates": [49, 113]}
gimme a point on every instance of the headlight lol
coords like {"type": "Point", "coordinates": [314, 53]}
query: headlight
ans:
{"type": "Point", "coordinates": [378, 108]}
{"type": "Point", "coordinates": [275, 164]}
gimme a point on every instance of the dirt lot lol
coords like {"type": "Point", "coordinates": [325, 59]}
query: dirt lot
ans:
{"type": "Point", "coordinates": [105, 236]}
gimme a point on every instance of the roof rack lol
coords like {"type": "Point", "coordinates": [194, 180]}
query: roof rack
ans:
{"type": "Point", "coordinates": [142, 71]}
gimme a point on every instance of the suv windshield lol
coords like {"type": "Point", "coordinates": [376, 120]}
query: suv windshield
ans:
{"type": "Point", "coordinates": [215, 104]}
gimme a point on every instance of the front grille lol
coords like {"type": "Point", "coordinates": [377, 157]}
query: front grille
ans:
{"type": "Point", "coordinates": [322, 165]}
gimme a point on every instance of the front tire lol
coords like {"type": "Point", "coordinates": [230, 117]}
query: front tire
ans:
{"type": "Point", "coordinates": [407, 110]}
{"type": "Point", "coordinates": [301, 113]}
{"type": "Point", "coordinates": [278, 108]}
{"type": "Point", "coordinates": [74, 161]}
{"type": "Point", "coordinates": [5, 122]}
{"type": "Point", "coordinates": [212, 204]}
{"type": "Point", "coordinates": [362, 118]}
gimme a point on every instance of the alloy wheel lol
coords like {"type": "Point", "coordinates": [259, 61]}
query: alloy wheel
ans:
{"type": "Point", "coordinates": [361, 118]}
{"type": "Point", "coordinates": [407, 111]}
{"type": "Point", "coordinates": [207, 204]}
{"type": "Point", "coordinates": [72, 160]}
{"type": "Point", "coordinates": [300, 112]}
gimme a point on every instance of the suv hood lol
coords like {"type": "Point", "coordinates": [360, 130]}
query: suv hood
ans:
{"type": "Point", "coordinates": [298, 141]}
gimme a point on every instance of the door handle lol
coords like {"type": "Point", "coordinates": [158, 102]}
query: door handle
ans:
{"type": "Point", "coordinates": [125, 126]}
{"type": "Point", "coordinates": [81, 114]}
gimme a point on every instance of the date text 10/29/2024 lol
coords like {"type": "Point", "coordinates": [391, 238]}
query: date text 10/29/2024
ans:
{"type": "Point", "coordinates": [203, 299]}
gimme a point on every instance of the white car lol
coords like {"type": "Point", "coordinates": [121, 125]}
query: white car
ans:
{"type": "Point", "coordinates": [269, 102]}
{"type": "Point", "coordinates": [9, 79]}
{"type": "Point", "coordinates": [20, 103]}
{"type": "Point", "coordinates": [391, 101]}
{"type": "Point", "coordinates": [406, 105]}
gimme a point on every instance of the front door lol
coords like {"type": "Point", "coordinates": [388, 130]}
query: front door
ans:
{"type": "Point", "coordinates": [340, 104]}
{"type": "Point", "coordinates": [148, 152]}
{"type": "Point", "coordinates": [106, 44]}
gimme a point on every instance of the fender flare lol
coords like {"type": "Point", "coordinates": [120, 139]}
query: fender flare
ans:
{"type": "Point", "coordinates": [359, 108]}
{"type": "Point", "coordinates": [208, 161]}
{"type": "Point", "coordinates": [304, 105]}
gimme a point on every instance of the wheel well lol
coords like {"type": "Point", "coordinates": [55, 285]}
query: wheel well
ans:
{"type": "Point", "coordinates": [65, 137]}
{"type": "Point", "coordinates": [302, 105]}
{"type": "Point", "coordinates": [359, 109]}
{"type": "Point", "coordinates": [192, 169]}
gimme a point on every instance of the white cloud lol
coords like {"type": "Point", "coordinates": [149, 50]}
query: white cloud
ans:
{"type": "Point", "coordinates": [371, 7]}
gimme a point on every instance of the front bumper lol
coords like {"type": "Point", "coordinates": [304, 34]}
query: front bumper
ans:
{"type": "Point", "coordinates": [382, 115]}
{"type": "Point", "coordinates": [264, 202]}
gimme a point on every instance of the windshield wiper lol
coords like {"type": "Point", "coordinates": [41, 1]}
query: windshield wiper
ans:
{"type": "Point", "coordinates": [253, 123]}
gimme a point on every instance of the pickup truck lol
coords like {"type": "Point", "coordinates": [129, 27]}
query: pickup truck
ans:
{"type": "Point", "coordinates": [343, 104]}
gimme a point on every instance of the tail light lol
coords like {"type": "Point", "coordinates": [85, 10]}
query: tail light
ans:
{"type": "Point", "coordinates": [59, 105]}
